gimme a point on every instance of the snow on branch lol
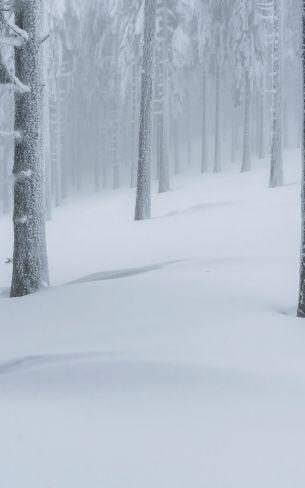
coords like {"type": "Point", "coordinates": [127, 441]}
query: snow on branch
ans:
{"type": "Point", "coordinates": [12, 41]}
{"type": "Point", "coordinates": [19, 32]}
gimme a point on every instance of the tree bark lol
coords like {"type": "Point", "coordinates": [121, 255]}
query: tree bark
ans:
{"type": "Point", "coordinates": [30, 268]}
{"type": "Point", "coordinates": [162, 97]}
{"type": "Point", "coordinates": [143, 200]}
{"type": "Point", "coordinates": [276, 170]}
{"type": "Point", "coordinates": [246, 163]}
{"type": "Point", "coordinates": [204, 151]}
{"type": "Point", "coordinates": [175, 135]}
{"type": "Point", "coordinates": [134, 126]}
{"type": "Point", "coordinates": [234, 133]}
{"type": "Point", "coordinates": [301, 302]}
{"type": "Point", "coordinates": [45, 119]}
{"type": "Point", "coordinates": [217, 155]}
{"type": "Point", "coordinates": [262, 125]}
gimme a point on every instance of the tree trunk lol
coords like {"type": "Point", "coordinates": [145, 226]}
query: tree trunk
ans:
{"type": "Point", "coordinates": [187, 122]}
{"type": "Point", "coordinates": [262, 125]}
{"type": "Point", "coordinates": [276, 170]}
{"type": "Point", "coordinates": [234, 132]}
{"type": "Point", "coordinates": [301, 304]}
{"type": "Point", "coordinates": [45, 119]}
{"type": "Point", "coordinates": [30, 269]}
{"type": "Point", "coordinates": [162, 97]}
{"type": "Point", "coordinates": [204, 153]}
{"type": "Point", "coordinates": [115, 114]}
{"type": "Point", "coordinates": [175, 134]}
{"type": "Point", "coordinates": [58, 130]}
{"type": "Point", "coordinates": [143, 201]}
{"type": "Point", "coordinates": [134, 126]}
{"type": "Point", "coordinates": [217, 156]}
{"type": "Point", "coordinates": [246, 163]}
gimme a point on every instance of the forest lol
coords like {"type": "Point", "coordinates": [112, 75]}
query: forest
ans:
{"type": "Point", "coordinates": [152, 207]}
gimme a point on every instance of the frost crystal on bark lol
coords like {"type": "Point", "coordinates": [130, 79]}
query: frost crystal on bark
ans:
{"type": "Point", "coordinates": [30, 269]}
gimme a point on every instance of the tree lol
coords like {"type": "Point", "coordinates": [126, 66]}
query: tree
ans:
{"type": "Point", "coordinates": [184, 51]}
{"type": "Point", "coordinates": [161, 93]}
{"type": "Point", "coordinates": [30, 268]}
{"type": "Point", "coordinates": [130, 63]}
{"type": "Point", "coordinates": [143, 200]}
{"type": "Point", "coordinates": [247, 54]}
{"type": "Point", "coordinates": [301, 304]}
{"type": "Point", "coordinates": [219, 13]}
{"type": "Point", "coordinates": [276, 169]}
{"type": "Point", "coordinates": [204, 48]}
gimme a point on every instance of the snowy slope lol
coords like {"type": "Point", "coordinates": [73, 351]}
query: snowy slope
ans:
{"type": "Point", "coordinates": [167, 353]}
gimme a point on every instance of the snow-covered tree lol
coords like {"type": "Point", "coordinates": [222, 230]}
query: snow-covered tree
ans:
{"type": "Point", "coordinates": [247, 56]}
{"type": "Point", "coordinates": [301, 301]}
{"type": "Point", "coordinates": [30, 269]}
{"type": "Point", "coordinates": [276, 171]}
{"type": "Point", "coordinates": [219, 13]}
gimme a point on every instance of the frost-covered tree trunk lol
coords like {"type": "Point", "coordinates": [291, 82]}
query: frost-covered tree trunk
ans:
{"type": "Point", "coordinates": [143, 201]}
{"type": "Point", "coordinates": [234, 133]}
{"type": "Point", "coordinates": [262, 125]}
{"type": "Point", "coordinates": [58, 161]}
{"type": "Point", "coordinates": [276, 171]}
{"type": "Point", "coordinates": [246, 162]}
{"type": "Point", "coordinates": [217, 155]}
{"type": "Point", "coordinates": [301, 302]}
{"type": "Point", "coordinates": [175, 135]}
{"type": "Point", "coordinates": [204, 151]}
{"type": "Point", "coordinates": [30, 269]}
{"type": "Point", "coordinates": [134, 125]}
{"type": "Point", "coordinates": [187, 126]}
{"type": "Point", "coordinates": [45, 118]}
{"type": "Point", "coordinates": [98, 149]}
{"type": "Point", "coordinates": [115, 114]}
{"type": "Point", "coordinates": [162, 99]}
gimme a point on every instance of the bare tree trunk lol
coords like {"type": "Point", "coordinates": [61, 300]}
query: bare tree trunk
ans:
{"type": "Point", "coordinates": [204, 153]}
{"type": "Point", "coordinates": [246, 163]}
{"type": "Point", "coordinates": [217, 156]}
{"type": "Point", "coordinates": [175, 134]}
{"type": "Point", "coordinates": [276, 170]}
{"type": "Point", "coordinates": [30, 270]}
{"type": "Point", "coordinates": [45, 119]}
{"type": "Point", "coordinates": [58, 158]}
{"type": "Point", "coordinates": [115, 114]}
{"type": "Point", "coordinates": [162, 97]}
{"type": "Point", "coordinates": [234, 133]}
{"type": "Point", "coordinates": [97, 149]}
{"type": "Point", "coordinates": [301, 302]}
{"type": "Point", "coordinates": [134, 126]}
{"type": "Point", "coordinates": [187, 120]}
{"type": "Point", "coordinates": [262, 124]}
{"type": "Point", "coordinates": [143, 201]}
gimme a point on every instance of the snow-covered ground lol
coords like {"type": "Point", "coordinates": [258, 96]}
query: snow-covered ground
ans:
{"type": "Point", "coordinates": [167, 354]}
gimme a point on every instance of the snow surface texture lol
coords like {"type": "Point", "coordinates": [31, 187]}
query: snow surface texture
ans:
{"type": "Point", "coordinates": [174, 359]}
